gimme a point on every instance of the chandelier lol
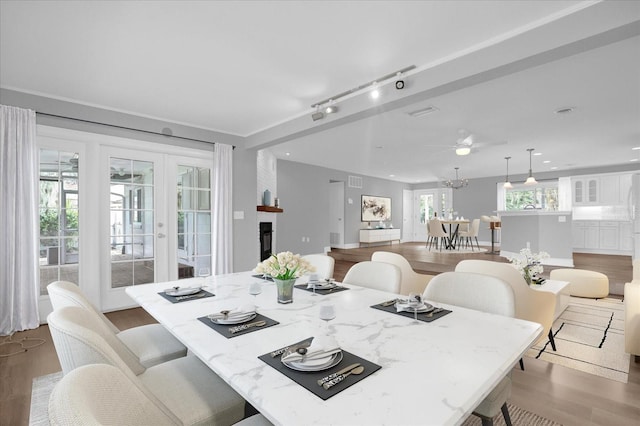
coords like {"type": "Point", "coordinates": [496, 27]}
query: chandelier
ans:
{"type": "Point", "coordinates": [457, 183]}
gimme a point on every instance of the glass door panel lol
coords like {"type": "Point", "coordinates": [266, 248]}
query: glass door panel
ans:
{"type": "Point", "coordinates": [59, 217]}
{"type": "Point", "coordinates": [132, 219]}
{"type": "Point", "coordinates": [193, 201]}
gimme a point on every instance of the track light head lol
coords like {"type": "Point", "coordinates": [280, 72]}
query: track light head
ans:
{"type": "Point", "coordinates": [318, 115]}
{"type": "Point", "coordinates": [399, 84]}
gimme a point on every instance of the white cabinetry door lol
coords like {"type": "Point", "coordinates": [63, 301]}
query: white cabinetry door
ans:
{"type": "Point", "coordinates": [578, 192]}
{"type": "Point", "coordinates": [625, 188]}
{"type": "Point", "coordinates": [625, 236]}
{"type": "Point", "coordinates": [578, 235]}
{"type": "Point", "coordinates": [592, 190]}
{"type": "Point", "coordinates": [609, 235]}
{"type": "Point", "coordinates": [591, 235]}
{"type": "Point", "coordinates": [610, 190]}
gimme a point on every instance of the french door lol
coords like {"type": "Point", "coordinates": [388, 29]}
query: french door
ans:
{"type": "Point", "coordinates": [156, 220]}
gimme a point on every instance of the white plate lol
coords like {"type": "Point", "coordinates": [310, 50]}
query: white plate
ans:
{"type": "Point", "coordinates": [184, 291]}
{"type": "Point", "coordinates": [316, 364]}
{"type": "Point", "coordinates": [322, 286]}
{"type": "Point", "coordinates": [424, 307]}
{"type": "Point", "coordinates": [234, 320]}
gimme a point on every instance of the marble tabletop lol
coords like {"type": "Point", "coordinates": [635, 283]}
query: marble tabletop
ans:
{"type": "Point", "coordinates": [432, 373]}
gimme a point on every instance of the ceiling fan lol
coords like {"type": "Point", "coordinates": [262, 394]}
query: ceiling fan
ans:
{"type": "Point", "coordinates": [467, 144]}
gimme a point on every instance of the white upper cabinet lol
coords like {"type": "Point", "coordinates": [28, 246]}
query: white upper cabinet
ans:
{"type": "Point", "coordinates": [603, 190]}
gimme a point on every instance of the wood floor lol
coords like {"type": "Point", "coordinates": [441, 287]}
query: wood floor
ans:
{"type": "Point", "coordinates": [558, 393]}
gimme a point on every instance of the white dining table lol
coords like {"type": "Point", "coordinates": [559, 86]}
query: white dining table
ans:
{"type": "Point", "coordinates": [432, 373]}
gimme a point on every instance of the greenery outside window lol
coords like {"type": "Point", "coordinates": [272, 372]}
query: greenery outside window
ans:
{"type": "Point", "coordinates": [543, 196]}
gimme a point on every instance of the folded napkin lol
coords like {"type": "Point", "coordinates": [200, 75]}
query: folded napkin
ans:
{"type": "Point", "coordinates": [319, 285]}
{"type": "Point", "coordinates": [241, 311]}
{"type": "Point", "coordinates": [321, 347]}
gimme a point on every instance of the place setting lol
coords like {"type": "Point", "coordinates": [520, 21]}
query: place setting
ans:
{"type": "Point", "coordinates": [237, 321]}
{"type": "Point", "coordinates": [319, 365]}
{"type": "Point", "coordinates": [322, 287]}
{"type": "Point", "coordinates": [179, 294]}
{"type": "Point", "coordinates": [413, 307]}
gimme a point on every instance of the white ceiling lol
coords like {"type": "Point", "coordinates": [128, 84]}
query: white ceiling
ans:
{"type": "Point", "coordinates": [253, 68]}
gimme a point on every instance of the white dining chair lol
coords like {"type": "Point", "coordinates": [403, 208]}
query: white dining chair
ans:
{"type": "Point", "coordinates": [376, 275]}
{"type": "Point", "coordinates": [101, 394]}
{"type": "Point", "coordinates": [437, 234]}
{"type": "Point", "coordinates": [482, 293]}
{"type": "Point", "coordinates": [531, 305]}
{"type": "Point", "coordinates": [411, 282]}
{"type": "Point", "coordinates": [185, 386]}
{"type": "Point", "coordinates": [152, 344]}
{"type": "Point", "coordinates": [324, 265]}
{"type": "Point", "coordinates": [471, 233]}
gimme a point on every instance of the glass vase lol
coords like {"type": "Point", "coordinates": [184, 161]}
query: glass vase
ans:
{"type": "Point", "coordinates": [285, 290]}
{"type": "Point", "coordinates": [527, 276]}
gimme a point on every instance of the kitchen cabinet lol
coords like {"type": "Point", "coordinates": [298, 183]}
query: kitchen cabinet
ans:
{"type": "Point", "coordinates": [585, 190]}
{"type": "Point", "coordinates": [608, 235]}
{"type": "Point", "coordinates": [600, 236]}
{"type": "Point", "coordinates": [586, 234]}
{"type": "Point", "coordinates": [625, 239]}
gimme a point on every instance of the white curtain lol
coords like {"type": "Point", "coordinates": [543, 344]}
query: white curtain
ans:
{"type": "Point", "coordinates": [19, 278]}
{"type": "Point", "coordinates": [222, 209]}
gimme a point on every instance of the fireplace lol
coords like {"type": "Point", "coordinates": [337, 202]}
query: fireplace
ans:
{"type": "Point", "coordinates": [266, 232]}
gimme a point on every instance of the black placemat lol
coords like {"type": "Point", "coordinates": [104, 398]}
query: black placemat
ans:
{"type": "Point", "coordinates": [309, 379]}
{"type": "Point", "coordinates": [421, 316]}
{"type": "Point", "coordinates": [332, 290]}
{"type": "Point", "coordinates": [177, 299]}
{"type": "Point", "coordinates": [224, 328]}
{"type": "Point", "coordinates": [263, 277]}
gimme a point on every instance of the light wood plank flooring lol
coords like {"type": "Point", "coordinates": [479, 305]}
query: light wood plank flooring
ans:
{"type": "Point", "coordinates": [566, 396]}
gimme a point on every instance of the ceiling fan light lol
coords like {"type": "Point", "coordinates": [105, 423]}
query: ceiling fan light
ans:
{"type": "Point", "coordinates": [463, 150]}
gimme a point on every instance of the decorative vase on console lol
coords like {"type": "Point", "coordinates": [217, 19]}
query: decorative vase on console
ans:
{"type": "Point", "coordinates": [284, 268]}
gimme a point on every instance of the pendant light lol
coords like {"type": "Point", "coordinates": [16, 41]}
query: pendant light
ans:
{"type": "Point", "coordinates": [530, 180]}
{"type": "Point", "coordinates": [507, 183]}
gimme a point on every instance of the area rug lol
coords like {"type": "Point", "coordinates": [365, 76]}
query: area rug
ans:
{"type": "Point", "coordinates": [518, 417]}
{"type": "Point", "coordinates": [589, 337]}
{"type": "Point", "coordinates": [43, 385]}
{"type": "Point", "coordinates": [40, 390]}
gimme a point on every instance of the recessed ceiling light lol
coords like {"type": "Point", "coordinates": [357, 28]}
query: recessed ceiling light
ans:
{"type": "Point", "coordinates": [392, 175]}
{"type": "Point", "coordinates": [287, 154]}
{"type": "Point", "coordinates": [565, 110]}
{"type": "Point", "coordinates": [537, 154]}
{"type": "Point", "coordinates": [553, 168]}
{"type": "Point", "coordinates": [546, 161]}
{"type": "Point", "coordinates": [375, 94]}
{"type": "Point", "coordinates": [635, 148]}
{"type": "Point", "coordinates": [634, 159]}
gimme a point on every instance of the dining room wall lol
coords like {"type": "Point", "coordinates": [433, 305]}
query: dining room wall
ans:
{"type": "Point", "coordinates": [304, 196]}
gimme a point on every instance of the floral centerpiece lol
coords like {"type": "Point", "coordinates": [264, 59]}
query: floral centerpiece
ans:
{"type": "Point", "coordinates": [529, 264]}
{"type": "Point", "coordinates": [284, 268]}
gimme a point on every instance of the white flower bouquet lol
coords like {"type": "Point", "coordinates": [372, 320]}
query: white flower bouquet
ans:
{"type": "Point", "coordinates": [284, 266]}
{"type": "Point", "coordinates": [529, 264]}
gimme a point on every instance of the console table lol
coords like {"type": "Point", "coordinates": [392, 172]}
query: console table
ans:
{"type": "Point", "coordinates": [371, 236]}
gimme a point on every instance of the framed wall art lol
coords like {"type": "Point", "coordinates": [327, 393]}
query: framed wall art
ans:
{"type": "Point", "coordinates": [375, 208]}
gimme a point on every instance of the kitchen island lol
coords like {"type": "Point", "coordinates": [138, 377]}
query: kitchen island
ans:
{"type": "Point", "coordinates": [549, 231]}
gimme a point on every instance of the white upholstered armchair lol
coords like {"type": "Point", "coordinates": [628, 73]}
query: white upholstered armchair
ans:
{"type": "Point", "coordinates": [412, 282]}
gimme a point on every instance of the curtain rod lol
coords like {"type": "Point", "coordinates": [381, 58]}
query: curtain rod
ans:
{"type": "Point", "coordinates": [124, 127]}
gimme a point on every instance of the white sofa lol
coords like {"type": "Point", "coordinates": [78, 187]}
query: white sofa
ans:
{"type": "Point", "coordinates": [632, 313]}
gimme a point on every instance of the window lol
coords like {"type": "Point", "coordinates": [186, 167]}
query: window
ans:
{"type": "Point", "coordinates": [543, 196]}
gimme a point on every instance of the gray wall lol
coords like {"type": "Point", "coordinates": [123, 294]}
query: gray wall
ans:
{"type": "Point", "coordinates": [304, 196]}
{"type": "Point", "coordinates": [245, 231]}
